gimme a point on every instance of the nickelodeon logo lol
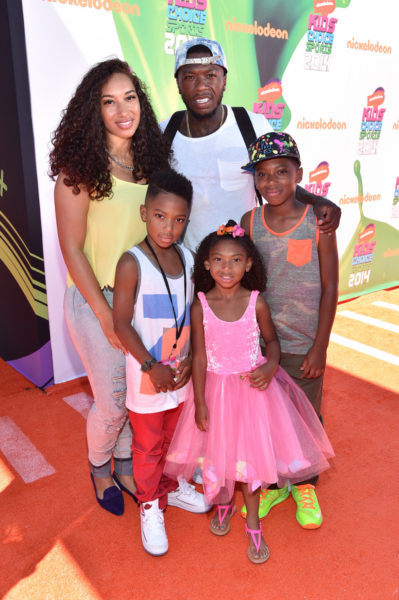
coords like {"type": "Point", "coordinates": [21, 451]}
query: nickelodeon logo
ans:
{"type": "Point", "coordinates": [316, 184]}
{"type": "Point", "coordinates": [359, 199]}
{"type": "Point", "coordinates": [320, 124]}
{"type": "Point", "coordinates": [396, 193]}
{"type": "Point", "coordinates": [267, 95]}
{"type": "Point", "coordinates": [320, 36]}
{"type": "Point", "coordinates": [118, 7]}
{"type": "Point", "coordinates": [364, 249]}
{"type": "Point", "coordinates": [368, 46]}
{"type": "Point", "coordinates": [373, 115]}
{"type": "Point", "coordinates": [256, 29]}
{"type": "Point", "coordinates": [376, 98]}
{"type": "Point", "coordinates": [324, 7]}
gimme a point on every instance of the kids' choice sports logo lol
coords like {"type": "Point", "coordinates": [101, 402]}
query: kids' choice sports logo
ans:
{"type": "Point", "coordinates": [320, 36]}
{"type": "Point", "coordinates": [362, 258]}
{"type": "Point", "coordinates": [395, 202]}
{"type": "Point", "coordinates": [268, 103]}
{"type": "Point", "coordinates": [317, 179]}
{"type": "Point", "coordinates": [370, 130]}
{"type": "Point", "coordinates": [185, 19]}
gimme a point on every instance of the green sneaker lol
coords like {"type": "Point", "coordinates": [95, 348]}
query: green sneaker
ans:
{"type": "Point", "coordinates": [268, 499]}
{"type": "Point", "coordinates": [308, 513]}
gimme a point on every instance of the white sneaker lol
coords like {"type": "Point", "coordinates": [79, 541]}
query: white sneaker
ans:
{"type": "Point", "coordinates": [187, 497]}
{"type": "Point", "coordinates": [153, 534]}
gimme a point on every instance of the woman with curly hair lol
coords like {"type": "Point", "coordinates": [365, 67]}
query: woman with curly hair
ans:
{"type": "Point", "coordinates": [106, 146]}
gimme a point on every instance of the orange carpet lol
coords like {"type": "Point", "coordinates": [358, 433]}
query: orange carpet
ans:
{"type": "Point", "coordinates": [57, 543]}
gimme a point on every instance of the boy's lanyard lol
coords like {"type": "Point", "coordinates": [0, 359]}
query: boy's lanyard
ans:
{"type": "Point", "coordinates": [178, 329]}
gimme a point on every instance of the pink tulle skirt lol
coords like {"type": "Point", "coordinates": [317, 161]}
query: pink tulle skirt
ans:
{"type": "Point", "coordinates": [256, 437]}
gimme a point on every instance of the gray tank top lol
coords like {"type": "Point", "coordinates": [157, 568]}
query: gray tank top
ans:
{"type": "Point", "coordinates": [293, 279]}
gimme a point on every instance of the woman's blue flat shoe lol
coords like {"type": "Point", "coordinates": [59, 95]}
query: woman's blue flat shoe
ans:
{"type": "Point", "coordinates": [122, 487]}
{"type": "Point", "coordinates": [113, 499]}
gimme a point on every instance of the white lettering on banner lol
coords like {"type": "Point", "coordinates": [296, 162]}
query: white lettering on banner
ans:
{"type": "Point", "coordinates": [172, 41]}
{"type": "Point", "coordinates": [359, 278]}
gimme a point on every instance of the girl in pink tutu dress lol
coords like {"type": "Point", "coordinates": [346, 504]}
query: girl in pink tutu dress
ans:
{"type": "Point", "coordinates": [246, 420]}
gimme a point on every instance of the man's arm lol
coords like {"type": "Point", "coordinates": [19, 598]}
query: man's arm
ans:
{"type": "Point", "coordinates": [328, 214]}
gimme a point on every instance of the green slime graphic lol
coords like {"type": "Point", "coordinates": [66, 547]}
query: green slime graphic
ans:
{"type": "Point", "coordinates": [383, 269]}
{"type": "Point", "coordinates": [143, 43]}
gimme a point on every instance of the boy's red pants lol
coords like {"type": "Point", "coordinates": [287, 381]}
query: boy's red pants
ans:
{"type": "Point", "coordinates": [152, 434]}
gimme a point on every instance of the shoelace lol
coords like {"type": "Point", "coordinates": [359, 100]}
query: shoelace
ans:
{"type": "Point", "coordinates": [186, 488]}
{"type": "Point", "coordinates": [306, 498]}
{"type": "Point", "coordinates": [264, 494]}
{"type": "Point", "coordinates": [150, 515]}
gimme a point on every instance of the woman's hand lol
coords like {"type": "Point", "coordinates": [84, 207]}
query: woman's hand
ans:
{"type": "Point", "coordinates": [260, 377]}
{"type": "Point", "coordinates": [162, 378]}
{"type": "Point", "coordinates": [107, 325]}
{"type": "Point", "coordinates": [201, 416]}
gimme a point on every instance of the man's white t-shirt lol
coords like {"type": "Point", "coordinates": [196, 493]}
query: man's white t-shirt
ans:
{"type": "Point", "coordinates": [222, 190]}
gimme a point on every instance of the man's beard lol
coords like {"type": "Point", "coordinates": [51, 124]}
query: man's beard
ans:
{"type": "Point", "coordinates": [202, 117]}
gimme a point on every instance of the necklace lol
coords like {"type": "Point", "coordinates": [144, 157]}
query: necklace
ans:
{"type": "Point", "coordinates": [188, 126]}
{"type": "Point", "coordinates": [178, 328]}
{"type": "Point", "coordinates": [127, 167]}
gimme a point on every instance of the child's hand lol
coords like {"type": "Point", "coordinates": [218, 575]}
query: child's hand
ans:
{"type": "Point", "coordinates": [162, 378]}
{"type": "Point", "coordinates": [183, 373]}
{"type": "Point", "coordinates": [314, 363]}
{"type": "Point", "coordinates": [201, 416]}
{"type": "Point", "coordinates": [262, 376]}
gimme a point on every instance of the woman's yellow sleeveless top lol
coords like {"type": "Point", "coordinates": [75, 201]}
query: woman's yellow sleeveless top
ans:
{"type": "Point", "coordinates": [114, 225]}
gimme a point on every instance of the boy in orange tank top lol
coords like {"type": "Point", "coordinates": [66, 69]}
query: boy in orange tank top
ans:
{"type": "Point", "coordinates": [302, 286]}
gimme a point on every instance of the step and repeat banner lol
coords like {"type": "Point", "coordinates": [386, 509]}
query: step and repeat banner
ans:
{"type": "Point", "coordinates": [326, 71]}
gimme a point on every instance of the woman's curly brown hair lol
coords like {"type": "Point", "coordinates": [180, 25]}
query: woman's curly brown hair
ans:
{"type": "Point", "coordinates": [254, 279]}
{"type": "Point", "coordinates": [80, 142]}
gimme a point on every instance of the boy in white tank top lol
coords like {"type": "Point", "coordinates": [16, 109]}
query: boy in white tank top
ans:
{"type": "Point", "coordinates": [152, 298]}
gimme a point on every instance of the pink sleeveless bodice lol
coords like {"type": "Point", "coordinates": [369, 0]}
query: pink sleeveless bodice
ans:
{"type": "Point", "coordinates": [231, 346]}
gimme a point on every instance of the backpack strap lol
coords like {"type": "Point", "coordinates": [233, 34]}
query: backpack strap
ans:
{"type": "Point", "coordinates": [244, 124]}
{"type": "Point", "coordinates": [248, 133]}
{"type": "Point", "coordinates": [173, 124]}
